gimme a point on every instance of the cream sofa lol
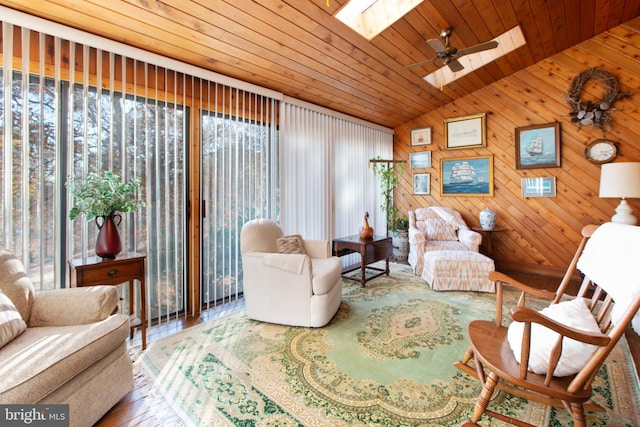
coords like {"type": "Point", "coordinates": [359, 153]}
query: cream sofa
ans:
{"type": "Point", "coordinates": [73, 350]}
{"type": "Point", "coordinates": [288, 280]}
{"type": "Point", "coordinates": [438, 228]}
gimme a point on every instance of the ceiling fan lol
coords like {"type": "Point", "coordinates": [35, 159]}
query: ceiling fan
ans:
{"type": "Point", "coordinates": [449, 54]}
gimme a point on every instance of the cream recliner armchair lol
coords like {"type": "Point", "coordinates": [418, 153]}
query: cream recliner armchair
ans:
{"type": "Point", "coordinates": [438, 228]}
{"type": "Point", "coordinates": [62, 346]}
{"type": "Point", "coordinates": [288, 280]}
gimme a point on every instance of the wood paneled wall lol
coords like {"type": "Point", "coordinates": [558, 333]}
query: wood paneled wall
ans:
{"type": "Point", "coordinates": [541, 233]}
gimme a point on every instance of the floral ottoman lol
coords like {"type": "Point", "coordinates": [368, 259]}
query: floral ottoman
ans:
{"type": "Point", "coordinates": [458, 271]}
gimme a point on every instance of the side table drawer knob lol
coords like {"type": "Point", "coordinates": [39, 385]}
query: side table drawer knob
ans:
{"type": "Point", "coordinates": [113, 273]}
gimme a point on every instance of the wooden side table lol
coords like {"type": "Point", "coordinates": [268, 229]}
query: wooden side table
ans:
{"type": "Point", "coordinates": [372, 250]}
{"type": "Point", "coordinates": [487, 238]}
{"type": "Point", "coordinates": [127, 267]}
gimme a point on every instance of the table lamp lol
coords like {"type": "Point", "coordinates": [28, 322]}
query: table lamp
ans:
{"type": "Point", "coordinates": [621, 179]}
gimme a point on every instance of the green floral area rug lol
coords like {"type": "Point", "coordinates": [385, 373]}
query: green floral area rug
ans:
{"type": "Point", "coordinates": [386, 359]}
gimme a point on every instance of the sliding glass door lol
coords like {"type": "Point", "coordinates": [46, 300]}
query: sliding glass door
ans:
{"type": "Point", "coordinates": [239, 182]}
{"type": "Point", "coordinates": [110, 113]}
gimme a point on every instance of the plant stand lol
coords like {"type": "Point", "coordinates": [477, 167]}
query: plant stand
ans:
{"type": "Point", "coordinates": [400, 239]}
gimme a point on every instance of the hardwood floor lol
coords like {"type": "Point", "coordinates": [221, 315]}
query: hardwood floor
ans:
{"type": "Point", "coordinates": [134, 410]}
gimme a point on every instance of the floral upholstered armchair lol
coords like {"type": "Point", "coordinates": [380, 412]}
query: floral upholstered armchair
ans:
{"type": "Point", "coordinates": [438, 228]}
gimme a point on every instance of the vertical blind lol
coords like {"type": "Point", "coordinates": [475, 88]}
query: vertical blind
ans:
{"type": "Point", "coordinates": [107, 113]}
{"type": "Point", "coordinates": [135, 118]}
{"type": "Point", "coordinates": [328, 184]}
{"type": "Point", "coordinates": [303, 166]}
{"type": "Point", "coordinates": [239, 181]}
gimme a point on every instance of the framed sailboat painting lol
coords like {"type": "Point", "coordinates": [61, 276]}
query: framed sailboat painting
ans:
{"type": "Point", "coordinates": [467, 176]}
{"type": "Point", "coordinates": [538, 146]}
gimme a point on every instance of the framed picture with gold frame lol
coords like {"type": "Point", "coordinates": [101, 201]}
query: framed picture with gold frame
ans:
{"type": "Point", "coordinates": [467, 176]}
{"type": "Point", "coordinates": [465, 132]}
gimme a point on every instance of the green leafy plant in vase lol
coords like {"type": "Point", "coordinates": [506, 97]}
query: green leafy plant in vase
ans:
{"type": "Point", "coordinates": [102, 198]}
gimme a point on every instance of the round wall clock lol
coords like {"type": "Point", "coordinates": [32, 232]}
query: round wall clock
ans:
{"type": "Point", "coordinates": [601, 151]}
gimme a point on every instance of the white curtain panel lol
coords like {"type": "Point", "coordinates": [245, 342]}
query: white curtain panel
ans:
{"type": "Point", "coordinates": [327, 182]}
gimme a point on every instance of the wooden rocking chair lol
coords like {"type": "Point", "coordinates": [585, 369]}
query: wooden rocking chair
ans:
{"type": "Point", "coordinates": [609, 257]}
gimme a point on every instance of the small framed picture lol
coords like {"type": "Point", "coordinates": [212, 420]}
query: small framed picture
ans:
{"type": "Point", "coordinates": [538, 146]}
{"type": "Point", "coordinates": [421, 136]}
{"type": "Point", "coordinates": [467, 176]}
{"type": "Point", "coordinates": [465, 132]}
{"type": "Point", "coordinates": [420, 160]}
{"type": "Point", "coordinates": [421, 183]}
{"type": "Point", "coordinates": [539, 187]}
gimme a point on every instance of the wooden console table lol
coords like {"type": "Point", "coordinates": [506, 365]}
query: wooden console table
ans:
{"type": "Point", "coordinates": [372, 250]}
{"type": "Point", "coordinates": [126, 267]}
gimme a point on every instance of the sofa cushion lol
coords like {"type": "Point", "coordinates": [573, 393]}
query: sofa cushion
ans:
{"type": "Point", "coordinates": [575, 354]}
{"type": "Point", "coordinates": [438, 229]}
{"type": "Point", "coordinates": [293, 244]}
{"type": "Point", "coordinates": [15, 283]}
{"type": "Point", "coordinates": [42, 358]}
{"type": "Point", "coordinates": [11, 323]}
{"type": "Point", "coordinates": [73, 306]}
{"type": "Point", "coordinates": [326, 273]}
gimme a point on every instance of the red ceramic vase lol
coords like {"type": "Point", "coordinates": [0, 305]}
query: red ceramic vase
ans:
{"type": "Point", "coordinates": [108, 243]}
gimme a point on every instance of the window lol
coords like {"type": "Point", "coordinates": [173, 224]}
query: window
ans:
{"type": "Point", "coordinates": [370, 17]}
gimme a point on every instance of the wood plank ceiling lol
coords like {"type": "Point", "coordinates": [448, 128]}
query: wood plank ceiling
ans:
{"type": "Point", "coordinates": [298, 48]}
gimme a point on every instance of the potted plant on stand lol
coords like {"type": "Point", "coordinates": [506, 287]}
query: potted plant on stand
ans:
{"type": "Point", "coordinates": [389, 173]}
{"type": "Point", "coordinates": [102, 198]}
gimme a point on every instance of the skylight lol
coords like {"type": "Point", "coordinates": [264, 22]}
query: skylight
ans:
{"type": "Point", "coordinates": [370, 17]}
{"type": "Point", "coordinates": [507, 42]}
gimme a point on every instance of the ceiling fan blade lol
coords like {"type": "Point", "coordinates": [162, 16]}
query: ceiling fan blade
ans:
{"type": "Point", "coordinates": [455, 65]}
{"type": "Point", "coordinates": [418, 64]}
{"type": "Point", "coordinates": [436, 44]}
{"type": "Point", "coordinates": [478, 48]}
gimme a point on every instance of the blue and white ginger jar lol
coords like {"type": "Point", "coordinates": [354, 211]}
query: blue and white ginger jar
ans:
{"type": "Point", "coordinates": [488, 219]}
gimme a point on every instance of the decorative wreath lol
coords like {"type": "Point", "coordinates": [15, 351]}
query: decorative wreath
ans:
{"type": "Point", "coordinates": [589, 113]}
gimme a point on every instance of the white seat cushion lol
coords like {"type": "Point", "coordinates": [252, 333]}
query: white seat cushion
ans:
{"type": "Point", "coordinates": [575, 355]}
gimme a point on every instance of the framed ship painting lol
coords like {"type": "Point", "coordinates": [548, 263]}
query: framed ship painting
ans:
{"type": "Point", "coordinates": [538, 146]}
{"type": "Point", "coordinates": [467, 176]}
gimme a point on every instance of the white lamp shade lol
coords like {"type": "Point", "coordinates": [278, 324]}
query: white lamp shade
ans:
{"type": "Point", "coordinates": [620, 179]}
